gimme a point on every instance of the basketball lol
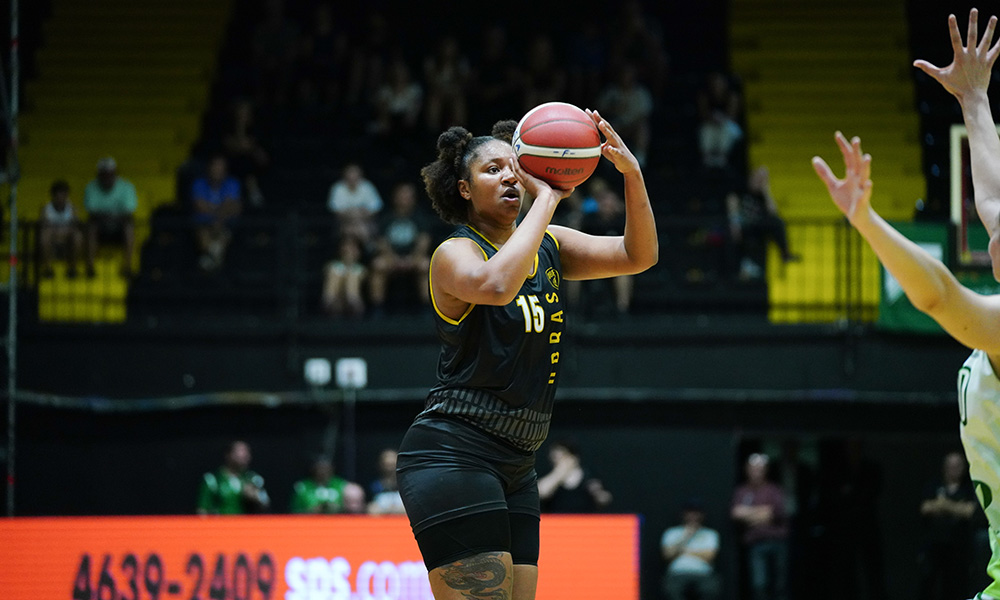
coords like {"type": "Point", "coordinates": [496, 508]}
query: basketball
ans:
{"type": "Point", "coordinates": [558, 143]}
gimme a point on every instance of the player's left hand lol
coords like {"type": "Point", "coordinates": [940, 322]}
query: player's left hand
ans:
{"type": "Point", "coordinates": [613, 148]}
{"type": "Point", "coordinates": [534, 186]}
{"type": "Point", "coordinates": [853, 193]}
{"type": "Point", "coordinates": [972, 65]}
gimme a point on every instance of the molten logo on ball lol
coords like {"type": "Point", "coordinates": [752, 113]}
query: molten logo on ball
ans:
{"type": "Point", "coordinates": [558, 143]}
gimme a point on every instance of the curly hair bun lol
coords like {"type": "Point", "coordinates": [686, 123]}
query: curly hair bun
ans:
{"type": "Point", "coordinates": [504, 130]}
{"type": "Point", "coordinates": [451, 144]}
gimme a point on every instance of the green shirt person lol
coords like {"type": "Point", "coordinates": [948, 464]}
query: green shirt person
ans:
{"type": "Point", "coordinates": [324, 492]}
{"type": "Point", "coordinates": [233, 489]}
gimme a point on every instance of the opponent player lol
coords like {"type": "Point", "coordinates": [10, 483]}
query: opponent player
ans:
{"type": "Point", "coordinates": [967, 78]}
{"type": "Point", "coordinates": [466, 466]}
{"type": "Point", "coordinates": [970, 318]}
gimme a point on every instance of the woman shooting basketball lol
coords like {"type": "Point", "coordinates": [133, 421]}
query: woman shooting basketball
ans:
{"type": "Point", "coordinates": [466, 465]}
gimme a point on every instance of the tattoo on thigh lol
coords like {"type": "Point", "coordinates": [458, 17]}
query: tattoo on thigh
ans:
{"type": "Point", "coordinates": [478, 577]}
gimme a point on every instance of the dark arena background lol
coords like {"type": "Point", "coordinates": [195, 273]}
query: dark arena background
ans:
{"type": "Point", "coordinates": [131, 368]}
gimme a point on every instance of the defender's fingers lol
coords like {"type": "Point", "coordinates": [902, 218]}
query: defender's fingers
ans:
{"type": "Point", "coordinates": [984, 44]}
{"type": "Point", "coordinates": [825, 174]}
{"type": "Point", "coordinates": [956, 37]}
{"type": "Point", "coordinates": [973, 34]}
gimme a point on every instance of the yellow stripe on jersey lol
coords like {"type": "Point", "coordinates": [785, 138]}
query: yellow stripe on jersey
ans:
{"type": "Point", "coordinates": [430, 285]}
{"type": "Point", "coordinates": [553, 238]}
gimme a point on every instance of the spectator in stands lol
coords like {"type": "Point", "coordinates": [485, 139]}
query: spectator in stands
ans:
{"type": "Point", "coordinates": [111, 202]}
{"type": "Point", "coordinates": [234, 489]}
{"type": "Point", "coordinates": [323, 492]}
{"type": "Point", "coordinates": [689, 550]}
{"type": "Point", "coordinates": [397, 104]}
{"type": "Point", "coordinates": [355, 502]}
{"type": "Point", "coordinates": [384, 490]}
{"type": "Point", "coordinates": [216, 203]}
{"type": "Point", "coordinates": [754, 219]}
{"type": "Point", "coordinates": [568, 487]}
{"type": "Point", "coordinates": [245, 155]}
{"type": "Point", "coordinates": [59, 231]}
{"type": "Point", "coordinates": [355, 201]}
{"type": "Point", "coordinates": [403, 248]}
{"type": "Point", "coordinates": [343, 280]}
{"type": "Point", "coordinates": [446, 73]}
{"type": "Point", "coordinates": [719, 112]}
{"type": "Point", "coordinates": [948, 508]}
{"type": "Point", "coordinates": [608, 219]}
{"type": "Point", "coordinates": [275, 42]}
{"type": "Point", "coordinates": [374, 48]}
{"type": "Point", "coordinates": [629, 104]}
{"type": "Point", "coordinates": [759, 508]}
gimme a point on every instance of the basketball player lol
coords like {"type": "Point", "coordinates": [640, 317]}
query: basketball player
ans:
{"type": "Point", "coordinates": [466, 466]}
{"type": "Point", "coordinates": [968, 78]}
{"type": "Point", "coordinates": [970, 318]}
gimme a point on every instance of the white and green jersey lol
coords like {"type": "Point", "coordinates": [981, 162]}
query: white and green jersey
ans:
{"type": "Point", "coordinates": [979, 407]}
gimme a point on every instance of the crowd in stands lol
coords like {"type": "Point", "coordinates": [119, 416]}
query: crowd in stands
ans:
{"type": "Point", "coordinates": [312, 96]}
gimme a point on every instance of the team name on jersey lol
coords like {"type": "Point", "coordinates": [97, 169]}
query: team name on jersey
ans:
{"type": "Point", "coordinates": [534, 322]}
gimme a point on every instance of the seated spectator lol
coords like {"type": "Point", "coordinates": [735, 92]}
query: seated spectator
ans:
{"type": "Point", "coordinates": [323, 492]}
{"type": "Point", "coordinates": [384, 491]}
{"type": "Point", "coordinates": [753, 219]}
{"type": "Point", "coordinates": [245, 155]}
{"type": "Point", "coordinates": [719, 112]}
{"type": "Point", "coordinates": [343, 280]}
{"type": "Point", "coordinates": [629, 105]}
{"type": "Point", "coordinates": [217, 204]}
{"type": "Point", "coordinates": [355, 201]}
{"type": "Point", "coordinates": [403, 248]}
{"type": "Point", "coordinates": [609, 219]}
{"type": "Point", "coordinates": [568, 487]}
{"type": "Point", "coordinates": [111, 202]}
{"type": "Point", "coordinates": [397, 103]}
{"type": "Point", "coordinates": [59, 231]}
{"type": "Point", "coordinates": [234, 489]}
{"type": "Point", "coordinates": [447, 75]}
{"type": "Point", "coordinates": [689, 550]}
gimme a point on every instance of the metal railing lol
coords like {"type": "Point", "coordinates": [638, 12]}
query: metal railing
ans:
{"type": "Point", "coordinates": [274, 268]}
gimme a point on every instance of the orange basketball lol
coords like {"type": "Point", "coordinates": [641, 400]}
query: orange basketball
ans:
{"type": "Point", "coordinates": [558, 143]}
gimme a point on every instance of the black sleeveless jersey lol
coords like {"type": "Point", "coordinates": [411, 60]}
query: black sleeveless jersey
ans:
{"type": "Point", "coordinates": [499, 365]}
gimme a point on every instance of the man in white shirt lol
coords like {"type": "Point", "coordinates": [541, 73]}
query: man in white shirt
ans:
{"type": "Point", "coordinates": [689, 550]}
{"type": "Point", "coordinates": [355, 201]}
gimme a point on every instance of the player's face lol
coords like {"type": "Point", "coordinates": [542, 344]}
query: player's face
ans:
{"type": "Point", "coordinates": [493, 188]}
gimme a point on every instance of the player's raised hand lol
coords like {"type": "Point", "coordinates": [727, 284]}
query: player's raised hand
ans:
{"type": "Point", "coordinates": [533, 185]}
{"type": "Point", "coordinates": [972, 64]}
{"type": "Point", "coordinates": [852, 194]}
{"type": "Point", "coordinates": [613, 148]}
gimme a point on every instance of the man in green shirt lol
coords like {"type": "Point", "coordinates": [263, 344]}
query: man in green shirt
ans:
{"type": "Point", "coordinates": [110, 202]}
{"type": "Point", "coordinates": [324, 492]}
{"type": "Point", "coordinates": [234, 489]}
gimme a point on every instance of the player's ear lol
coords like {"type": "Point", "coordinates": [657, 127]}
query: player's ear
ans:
{"type": "Point", "coordinates": [464, 189]}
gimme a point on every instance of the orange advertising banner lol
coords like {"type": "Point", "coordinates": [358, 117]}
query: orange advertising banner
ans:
{"type": "Point", "coordinates": [300, 557]}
